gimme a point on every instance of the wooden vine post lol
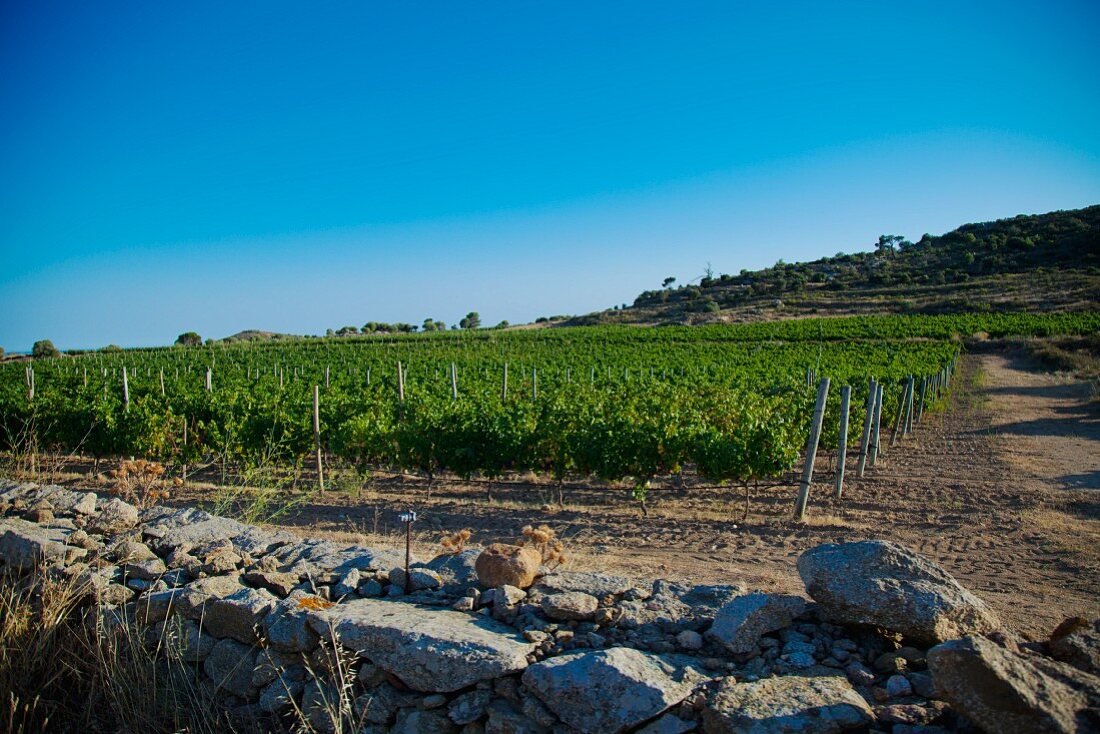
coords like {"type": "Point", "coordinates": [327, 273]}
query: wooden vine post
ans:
{"type": "Point", "coordinates": [910, 390]}
{"type": "Point", "coordinates": [209, 380]}
{"type": "Point", "coordinates": [504, 385]}
{"type": "Point", "coordinates": [923, 392]}
{"type": "Point", "coordinates": [811, 450]}
{"type": "Point", "coordinates": [534, 384]}
{"type": "Point", "coordinates": [162, 382]}
{"type": "Point", "coordinates": [400, 383]}
{"type": "Point", "coordinates": [317, 436]}
{"type": "Point", "coordinates": [183, 470]}
{"type": "Point", "coordinates": [454, 382]}
{"type": "Point", "coordinates": [900, 422]}
{"type": "Point", "coordinates": [842, 448]}
{"type": "Point", "coordinates": [125, 390]}
{"type": "Point", "coordinates": [877, 421]}
{"type": "Point", "coordinates": [868, 419]}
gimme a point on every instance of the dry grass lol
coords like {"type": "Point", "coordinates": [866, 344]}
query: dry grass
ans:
{"type": "Point", "coordinates": [71, 669]}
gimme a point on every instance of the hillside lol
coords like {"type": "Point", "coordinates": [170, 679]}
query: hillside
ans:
{"type": "Point", "coordinates": [1039, 262]}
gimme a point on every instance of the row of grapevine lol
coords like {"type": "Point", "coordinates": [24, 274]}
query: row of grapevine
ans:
{"type": "Point", "coordinates": [594, 404]}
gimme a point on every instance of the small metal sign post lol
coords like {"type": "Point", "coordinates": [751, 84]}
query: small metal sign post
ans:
{"type": "Point", "coordinates": [408, 518]}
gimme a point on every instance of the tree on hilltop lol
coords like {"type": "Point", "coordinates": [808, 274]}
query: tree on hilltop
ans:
{"type": "Point", "coordinates": [44, 348]}
{"type": "Point", "coordinates": [189, 339]}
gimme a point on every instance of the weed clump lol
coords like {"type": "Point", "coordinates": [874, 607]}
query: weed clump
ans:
{"type": "Point", "coordinates": [543, 539]}
{"type": "Point", "coordinates": [455, 543]}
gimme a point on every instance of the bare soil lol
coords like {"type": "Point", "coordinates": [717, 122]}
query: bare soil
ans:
{"type": "Point", "coordinates": [1001, 488]}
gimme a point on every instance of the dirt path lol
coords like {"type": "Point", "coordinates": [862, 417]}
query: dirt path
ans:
{"type": "Point", "coordinates": [1002, 489]}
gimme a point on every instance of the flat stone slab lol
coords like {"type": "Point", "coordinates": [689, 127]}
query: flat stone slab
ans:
{"type": "Point", "coordinates": [610, 691]}
{"type": "Point", "coordinates": [430, 650]}
{"type": "Point", "coordinates": [596, 584]}
{"type": "Point", "coordinates": [24, 545]}
{"type": "Point", "coordinates": [324, 556]}
{"type": "Point", "coordinates": [185, 529]}
{"type": "Point", "coordinates": [784, 704]}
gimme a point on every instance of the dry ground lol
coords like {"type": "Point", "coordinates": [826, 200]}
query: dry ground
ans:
{"type": "Point", "coordinates": [1002, 488]}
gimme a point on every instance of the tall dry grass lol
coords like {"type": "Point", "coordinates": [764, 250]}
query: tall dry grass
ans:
{"type": "Point", "coordinates": [72, 668]}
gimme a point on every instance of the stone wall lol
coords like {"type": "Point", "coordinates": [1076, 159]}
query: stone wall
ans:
{"type": "Point", "coordinates": [282, 627]}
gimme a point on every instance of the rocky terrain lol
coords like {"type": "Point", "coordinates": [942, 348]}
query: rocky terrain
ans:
{"type": "Point", "coordinates": [489, 641]}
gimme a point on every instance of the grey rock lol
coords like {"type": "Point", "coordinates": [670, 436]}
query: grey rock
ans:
{"type": "Point", "coordinates": [321, 706]}
{"type": "Point", "coordinates": [598, 585]}
{"type": "Point", "coordinates": [277, 582]}
{"type": "Point", "coordinates": [420, 579]}
{"type": "Point", "coordinates": [436, 651]}
{"type": "Point", "coordinates": [822, 705]}
{"type": "Point", "coordinates": [131, 551]}
{"type": "Point", "coordinates": [347, 584]}
{"type": "Point", "coordinates": [859, 674]}
{"type": "Point", "coordinates": [188, 528]}
{"type": "Point", "coordinates": [147, 570]}
{"type": "Point", "coordinates": [25, 545]}
{"type": "Point", "coordinates": [569, 605]}
{"type": "Point", "coordinates": [421, 721]}
{"type": "Point", "coordinates": [1080, 648]}
{"type": "Point", "coordinates": [690, 640]}
{"type": "Point", "coordinates": [113, 516]}
{"type": "Point", "coordinates": [379, 705]}
{"type": "Point", "coordinates": [65, 501]}
{"type": "Point", "coordinates": [192, 600]}
{"type": "Point", "coordinates": [456, 569]}
{"type": "Point", "coordinates": [286, 627]}
{"type": "Point", "coordinates": [922, 685]}
{"type": "Point", "coordinates": [580, 687]}
{"type": "Point", "coordinates": [469, 707]}
{"type": "Point", "coordinates": [739, 625]}
{"type": "Point", "coordinates": [505, 718]}
{"type": "Point", "coordinates": [370, 588]}
{"type": "Point", "coordinates": [280, 695]}
{"type": "Point", "coordinates": [229, 665]}
{"type": "Point", "coordinates": [898, 686]}
{"type": "Point", "coordinates": [321, 557]}
{"type": "Point", "coordinates": [238, 614]}
{"type": "Point", "coordinates": [881, 583]}
{"type": "Point", "coordinates": [1006, 692]}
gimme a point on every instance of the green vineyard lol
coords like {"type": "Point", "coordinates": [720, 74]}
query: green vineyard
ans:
{"type": "Point", "coordinates": [731, 403]}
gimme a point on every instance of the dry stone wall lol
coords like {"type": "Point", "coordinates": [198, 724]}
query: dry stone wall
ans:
{"type": "Point", "coordinates": [281, 627]}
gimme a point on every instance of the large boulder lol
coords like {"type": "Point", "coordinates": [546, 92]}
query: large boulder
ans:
{"type": "Point", "coordinates": [1005, 691]}
{"type": "Point", "coordinates": [25, 545]}
{"type": "Point", "coordinates": [610, 691]}
{"type": "Point", "coordinates": [507, 565]}
{"type": "Point", "coordinates": [779, 705]}
{"type": "Point", "coordinates": [880, 583]}
{"type": "Point", "coordinates": [431, 650]}
{"type": "Point", "coordinates": [739, 625]}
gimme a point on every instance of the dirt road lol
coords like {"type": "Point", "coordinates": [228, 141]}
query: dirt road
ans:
{"type": "Point", "coordinates": [1002, 489]}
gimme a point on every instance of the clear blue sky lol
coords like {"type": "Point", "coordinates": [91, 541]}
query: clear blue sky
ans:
{"type": "Point", "coordinates": [296, 166]}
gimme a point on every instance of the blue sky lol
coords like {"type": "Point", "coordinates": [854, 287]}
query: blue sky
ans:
{"type": "Point", "coordinates": [294, 166]}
